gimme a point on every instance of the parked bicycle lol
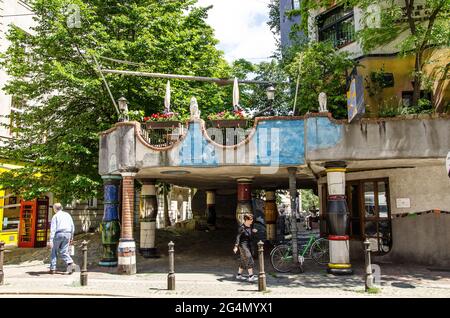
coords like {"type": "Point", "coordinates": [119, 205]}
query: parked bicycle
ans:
{"type": "Point", "coordinates": [316, 249]}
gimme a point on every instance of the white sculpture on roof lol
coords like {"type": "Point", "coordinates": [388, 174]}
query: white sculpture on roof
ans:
{"type": "Point", "coordinates": [323, 103]}
{"type": "Point", "coordinates": [195, 112]}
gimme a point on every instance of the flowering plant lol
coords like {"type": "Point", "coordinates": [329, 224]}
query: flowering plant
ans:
{"type": "Point", "coordinates": [226, 114]}
{"type": "Point", "coordinates": [163, 117]}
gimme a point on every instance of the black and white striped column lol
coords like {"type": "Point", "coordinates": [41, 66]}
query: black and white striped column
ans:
{"type": "Point", "coordinates": [337, 219]}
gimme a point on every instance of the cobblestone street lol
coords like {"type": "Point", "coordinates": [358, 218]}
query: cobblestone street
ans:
{"type": "Point", "coordinates": [205, 267]}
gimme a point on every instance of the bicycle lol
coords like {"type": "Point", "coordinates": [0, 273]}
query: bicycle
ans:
{"type": "Point", "coordinates": [316, 249]}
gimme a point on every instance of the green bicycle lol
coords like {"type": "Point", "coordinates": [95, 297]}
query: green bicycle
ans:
{"type": "Point", "coordinates": [316, 249]}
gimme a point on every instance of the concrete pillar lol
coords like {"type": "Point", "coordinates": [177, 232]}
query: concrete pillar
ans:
{"type": "Point", "coordinates": [110, 226]}
{"type": "Point", "coordinates": [293, 196]}
{"type": "Point", "coordinates": [127, 246]}
{"type": "Point", "coordinates": [244, 197]}
{"type": "Point", "coordinates": [211, 209]}
{"type": "Point", "coordinates": [337, 219]}
{"type": "Point", "coordinates": [148, 213]}
{"type": "Point", "coordinates": [271, 215]}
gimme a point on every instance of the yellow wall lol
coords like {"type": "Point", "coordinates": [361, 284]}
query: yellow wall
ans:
{"type": "Point", "coordinates": [402, 68]}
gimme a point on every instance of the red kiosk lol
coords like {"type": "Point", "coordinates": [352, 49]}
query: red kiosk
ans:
{"type": "Point", "coordinates": [33, 227]}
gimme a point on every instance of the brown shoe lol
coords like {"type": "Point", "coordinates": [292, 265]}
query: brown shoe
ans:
{"type": "Point", "coordinates": [52, 271]}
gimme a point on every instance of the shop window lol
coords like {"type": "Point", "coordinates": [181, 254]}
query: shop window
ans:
{"type": "Point", "coordinates": [11, 213]}
{"type": "Point", "coordinates": [337, 26]}
{"type": "Point", "coordinates": [377, 224]}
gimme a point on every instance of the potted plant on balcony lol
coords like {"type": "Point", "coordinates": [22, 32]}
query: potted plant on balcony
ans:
{"type": "Point", "coordinates": [162, 120]}
{"type": "Point", "coordinates": [228, 119]}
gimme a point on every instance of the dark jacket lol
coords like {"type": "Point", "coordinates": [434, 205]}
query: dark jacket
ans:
{"type": "Point", "coordinates": [244, 236]}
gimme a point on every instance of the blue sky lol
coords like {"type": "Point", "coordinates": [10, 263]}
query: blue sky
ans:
{"type": "Point", "coordinates": [241, 27]}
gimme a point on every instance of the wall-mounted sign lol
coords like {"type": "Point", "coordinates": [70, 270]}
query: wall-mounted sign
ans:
{"type": "Point", "coordinates": [355, 98]}
{"type": "Point", "coordinates": [447, 164]}
{"type": "Point", "coordinates": [403, 203]}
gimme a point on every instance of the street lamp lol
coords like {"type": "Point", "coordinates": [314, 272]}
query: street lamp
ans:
{"type": "Point", "coordinates": [123, 107]}
{"type": "Point", "coordinates": [270, 91]}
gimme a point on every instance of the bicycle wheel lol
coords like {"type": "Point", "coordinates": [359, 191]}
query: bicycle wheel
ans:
{"type": "Point", "coordinates": [281, 258]}
{"type": "Point", "coordinates": [320, 251]}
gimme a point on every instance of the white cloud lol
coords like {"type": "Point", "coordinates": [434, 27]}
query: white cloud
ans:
{"type": "Point", "coordinates": [241, 27]}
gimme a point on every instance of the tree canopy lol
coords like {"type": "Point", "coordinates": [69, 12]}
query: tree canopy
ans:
{"type": "Point", "coordinates": [65, 102]}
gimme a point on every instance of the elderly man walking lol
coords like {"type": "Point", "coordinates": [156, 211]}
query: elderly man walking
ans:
{"type": "Point", "coordinates": [61, 236]}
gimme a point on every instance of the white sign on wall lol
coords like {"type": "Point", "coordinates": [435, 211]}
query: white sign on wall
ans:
{"type": "Point", "coordinates": [403, 203]}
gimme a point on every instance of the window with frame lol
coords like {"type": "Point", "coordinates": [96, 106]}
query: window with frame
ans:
{"type": "Point", "coordinates": [369, 212]}
{"type": "Point", "coordinates": [295, 4]}
{"type": "Point", "coordinates": [337, 26]}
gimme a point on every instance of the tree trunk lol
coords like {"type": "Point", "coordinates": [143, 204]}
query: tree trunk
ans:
{"type": "Point", "coordinates": [417, 79]}
{"type": "Point", "coordinates": [166, 207]}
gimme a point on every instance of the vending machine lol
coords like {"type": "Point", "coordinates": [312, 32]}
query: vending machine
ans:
{"type": "Point", "coordinates": [33, 227]}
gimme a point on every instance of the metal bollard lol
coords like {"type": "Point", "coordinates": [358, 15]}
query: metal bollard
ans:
{"type": "Point", "coordinates": [2, 251]}
{"type": "Point", "coordinates": [84, 274]}
{"type": "Point", "coordinates": [262, 275]}
{"type": "Point", "coordinates": [171, 276]}
{"type": "Point", "coordinates": [369, 276]}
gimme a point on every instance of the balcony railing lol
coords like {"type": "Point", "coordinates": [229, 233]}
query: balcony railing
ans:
{"type": "Point", "coordinates": [162, 134]}
{"type": "Point", "coordinates": [225, 132]}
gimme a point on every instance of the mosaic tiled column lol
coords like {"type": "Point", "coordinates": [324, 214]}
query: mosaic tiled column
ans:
{"type": "Point", "coordinates": [337, 219]}
{"type": "Point", "coordinates": [211, 209]}
{"type": "Point", "coordinates": [110, 226]}
{"type": "Point", "coordinates": [271, 215]}
{"type": "Point", "coordinates": [244, 198]}
{"type": "Point", "coordinates": [148, 214]}
{"type": "Point", "coordinates": [127, 245]}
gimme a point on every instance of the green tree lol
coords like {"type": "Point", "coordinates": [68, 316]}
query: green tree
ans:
{"type": "Point", "coordinates": [320, 68]}
{"type": "Point", "coordinates": [309, 200]}
{"type": "Point", "coordinates": [272, 71]}
{"type": "Point", "coordinates": [52, 69]}
{"type": "Point", "coordinates": [386, 21]}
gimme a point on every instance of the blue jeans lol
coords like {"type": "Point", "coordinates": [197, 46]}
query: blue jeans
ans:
{"type": "Point", "coordinates": [60, 246]}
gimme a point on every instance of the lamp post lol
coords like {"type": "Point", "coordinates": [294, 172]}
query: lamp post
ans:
{"type": "Point", "coordinates": [123, 107]}
{"type": "Point", "coordinates": [270, 92]}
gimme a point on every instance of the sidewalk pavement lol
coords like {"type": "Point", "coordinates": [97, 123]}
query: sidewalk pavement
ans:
{"type": "Point", "coordinates": [32, 279]}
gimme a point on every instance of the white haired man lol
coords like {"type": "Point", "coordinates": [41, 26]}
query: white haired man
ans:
{"type": "Point", "coordinates": [61, 236]}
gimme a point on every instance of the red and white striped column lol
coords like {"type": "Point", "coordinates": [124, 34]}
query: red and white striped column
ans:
{"type": "Point", "coordinates": [337, 219]}
{"type": "Point", "coordinates": [127, 247]}
{"type": "Point", "coordinates": [244, 198]}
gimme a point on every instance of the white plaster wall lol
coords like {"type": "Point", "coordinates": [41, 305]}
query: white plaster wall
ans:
{"type": "Point", "coordinates": [11, 12]}
{"type": "Point", "coordinates": [427, 187]}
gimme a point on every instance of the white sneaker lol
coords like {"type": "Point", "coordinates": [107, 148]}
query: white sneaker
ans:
{"type": "Point", "coordinates": [252, 278]}
{"type": "Point", "coordinates": [240, 277]}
